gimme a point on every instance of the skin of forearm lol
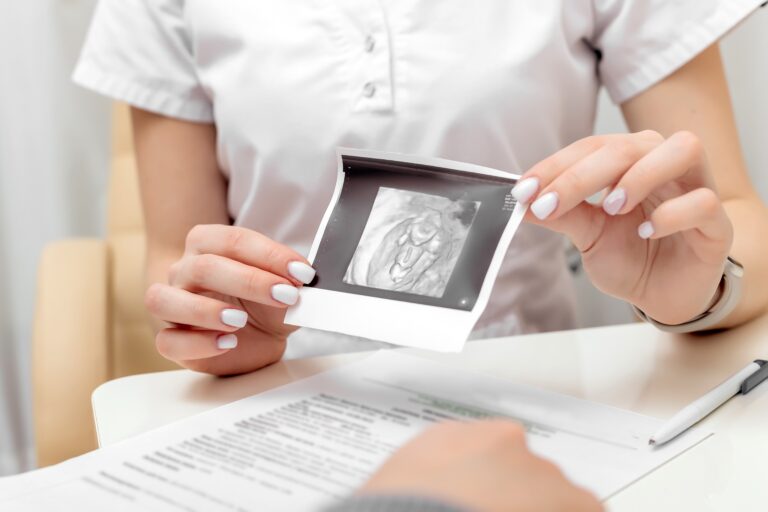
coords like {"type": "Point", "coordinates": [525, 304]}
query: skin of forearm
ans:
{"type": "Point", "coordinates": [750, 248]}
{"type": "Point", "coordinates": [181, 186]}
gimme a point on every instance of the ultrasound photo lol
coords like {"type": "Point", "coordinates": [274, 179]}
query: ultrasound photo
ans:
{"type": "Point", "coordinates": [411, 242]}
{"type": "Point", "coordinates": [408, 249]}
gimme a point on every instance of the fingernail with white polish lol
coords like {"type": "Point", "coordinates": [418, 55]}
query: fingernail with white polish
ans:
{"type": "Point", "coordinates": [645, 230]}
{"type": "Point", "coordinates": [545, 205]}
{"type": "Point", "coordinates": [524, 190]}
{"type": "Point", "coordinates": [614, 201]}
{"type": "Point", "coordinates": [301, 271]}
{"type": "Point", "coordinates": [285, 293]}
{"type": "Point", "coordinates": [226, 341]}
{"type": "Point", "coordinates": [234, 318]}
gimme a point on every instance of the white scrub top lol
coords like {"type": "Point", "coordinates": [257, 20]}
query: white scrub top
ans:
{"type": "Point", "coordinates": [499, 83]}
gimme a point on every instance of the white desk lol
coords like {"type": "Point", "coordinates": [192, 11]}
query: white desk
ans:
{"type": "Point", "coordinates": [632, 367]}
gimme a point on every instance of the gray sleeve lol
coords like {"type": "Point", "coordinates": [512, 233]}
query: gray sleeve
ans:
{"type": "Point", "coordinates": [386, 503]}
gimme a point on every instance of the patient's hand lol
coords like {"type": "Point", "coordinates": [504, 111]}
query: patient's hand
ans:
{"type": "Point", "coordinates": [483, 466]}
{"type": "Point", "coordinates": [225, 300]}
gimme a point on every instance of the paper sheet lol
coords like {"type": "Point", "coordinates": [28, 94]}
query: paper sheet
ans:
{"type": "Point", "coordinates": [312, 442]}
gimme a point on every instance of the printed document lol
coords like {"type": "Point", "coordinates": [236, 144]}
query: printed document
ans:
{"type": "Point", "coordinates": [310, 443]}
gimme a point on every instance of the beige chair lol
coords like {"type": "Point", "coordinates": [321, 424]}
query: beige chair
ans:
{"type": "Point", "coordinates": [90, 323]}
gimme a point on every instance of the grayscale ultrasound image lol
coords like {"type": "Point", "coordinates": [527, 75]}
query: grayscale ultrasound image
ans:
{"type": "Point", "coordinates": [411, 242]}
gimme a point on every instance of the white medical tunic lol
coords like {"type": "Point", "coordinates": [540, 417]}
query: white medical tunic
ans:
{"type": "Point", "coordinates": [499, 83]}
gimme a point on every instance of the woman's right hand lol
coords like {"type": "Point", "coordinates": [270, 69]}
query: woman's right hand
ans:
{"type": "Point", "coordinates": [225, 300]}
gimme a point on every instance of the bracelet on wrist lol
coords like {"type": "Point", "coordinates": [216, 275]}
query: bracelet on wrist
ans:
{"type": "Point", "coordinates": [725, 300]}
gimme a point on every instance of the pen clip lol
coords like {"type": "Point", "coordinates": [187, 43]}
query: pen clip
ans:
{"type": "Point", "coordinates": [756, 378]}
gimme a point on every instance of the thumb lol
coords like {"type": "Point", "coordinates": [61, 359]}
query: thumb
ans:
{"type": "Point", "coordinates": [582, 224]}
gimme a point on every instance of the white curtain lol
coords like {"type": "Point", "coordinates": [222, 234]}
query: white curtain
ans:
{"type": "Point", "coordinates": [53, 159]}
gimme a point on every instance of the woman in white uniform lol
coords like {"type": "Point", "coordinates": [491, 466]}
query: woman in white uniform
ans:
{"type": "Point", "coordinates": [239, 107]}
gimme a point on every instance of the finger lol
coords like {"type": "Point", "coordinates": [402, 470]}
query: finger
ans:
{"type": "Point", "coordinates": [582, 224]}
{"type": "Point", "coordinates": [187, 345]}
{"type": "Point", "coordinates": [679, 155]}
{"type": "Point", "coordinates": [251, 353]}
{"type": "Point", "coordinates": [179, 306]}
{"type": "Point", "coordinates": [545, 171]}
{"type": "Point", "coordinates": [511, 431]}
{"type": "Point", "coordinates": [583, 501]}
{"type": "Point", "coordinates": [700, 212]}
{"type": "Point", "coordinates": [595, 172]}
{"type": "Point", "coordinates": [210, 272]}
{"type": "Point", "coordinates": [252, 248]}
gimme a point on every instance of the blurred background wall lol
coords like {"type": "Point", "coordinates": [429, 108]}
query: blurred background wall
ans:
{"type": "Point", "coordinates": [53, 169]}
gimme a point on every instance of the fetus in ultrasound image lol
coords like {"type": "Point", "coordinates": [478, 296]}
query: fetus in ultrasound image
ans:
{"type": "Point", "coordinates": [411, 242]}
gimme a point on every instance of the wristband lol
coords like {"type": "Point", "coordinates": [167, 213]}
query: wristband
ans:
{"type": "Point", "coordinates": [731, 285]}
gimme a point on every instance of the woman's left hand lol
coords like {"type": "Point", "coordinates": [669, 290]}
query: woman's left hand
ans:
{"type": "Point", "coordinates": [659, 239]}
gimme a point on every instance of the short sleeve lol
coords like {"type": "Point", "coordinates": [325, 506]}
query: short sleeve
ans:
{"type": "Point", "coordinates": [140, 52]}
{"type": "Point", "coordinates": [642, 42]}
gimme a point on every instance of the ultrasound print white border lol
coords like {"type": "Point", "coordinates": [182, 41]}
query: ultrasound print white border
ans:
{"type": "Point", "coordinates": [398, 322]}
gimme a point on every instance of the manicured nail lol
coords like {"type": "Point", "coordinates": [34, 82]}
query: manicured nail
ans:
{"type": "Point", "coordinates": [234, 318]}
{"type": "Point", "coordinates": [615, 201]}
{"type": "Point", "coordinates": [545, 205]}
{"type": "Point", "coordinates": [645, 230]}
{"type": "Point", "coordinates": [226, 341]}
{"type": "Point", "coordinates": [301, 271]}
{"type": "Point", "coordinates": [285, 293]}
{"type": "Point", "coordinates": [524, 190]}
